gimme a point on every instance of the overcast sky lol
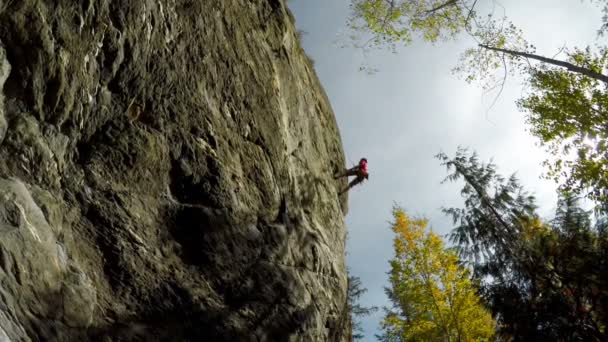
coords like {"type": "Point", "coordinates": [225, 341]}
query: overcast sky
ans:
{"type": "Point", "coordinates": [413, 108]}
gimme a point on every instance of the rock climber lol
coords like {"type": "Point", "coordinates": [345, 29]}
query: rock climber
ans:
{"type": "Point", "coordinates": [359, 170]}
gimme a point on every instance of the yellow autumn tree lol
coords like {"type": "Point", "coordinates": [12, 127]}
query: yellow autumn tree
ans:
{"type": "Point", "coordinates": [432, 294]}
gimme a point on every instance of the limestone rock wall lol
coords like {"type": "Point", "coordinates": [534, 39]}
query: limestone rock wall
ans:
{"type": "Point", "coordinates": [166, 174]}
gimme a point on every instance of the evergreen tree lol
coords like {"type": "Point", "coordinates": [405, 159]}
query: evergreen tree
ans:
{"type": "Point", "coordinates": [543, 281]}
{"type": "Point", "coordinates": [357, 311]}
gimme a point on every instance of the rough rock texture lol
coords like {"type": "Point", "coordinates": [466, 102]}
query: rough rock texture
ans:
{"type": "Point", "coordinates": [166, 174]}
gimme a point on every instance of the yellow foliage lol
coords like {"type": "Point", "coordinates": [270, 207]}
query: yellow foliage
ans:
{"type": "Point", "coordinates": [435, 296]}
{"type": "Point", "coordinates": [534, 228]}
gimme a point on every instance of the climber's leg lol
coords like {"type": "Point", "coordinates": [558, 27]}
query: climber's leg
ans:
{"type": "Point", "coordinates": [352, 184]}
{"type": "Point", "coordinates": [350, 172]}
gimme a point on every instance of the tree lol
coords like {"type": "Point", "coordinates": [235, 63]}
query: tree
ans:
{"type": "Point", "coordinates": [433, 297]}
{"type": "Point", "coordinates": [498, 42]}
{"type": "Point", "coordinates": [566, 100]}
{"type": "Point", "coordinates": [357, 311]}
{"type": "Point", "coordinates": [396, 21]}
{"type": "Point", "coordinates": [568, 112]}
{"type": "Point", "coordinates": [543, 281]}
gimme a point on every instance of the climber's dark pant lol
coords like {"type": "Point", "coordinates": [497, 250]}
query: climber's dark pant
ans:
{"type": "Point", "coordinates": [354, 182]}
{"type": "Point", "coordinates": [353, 171]}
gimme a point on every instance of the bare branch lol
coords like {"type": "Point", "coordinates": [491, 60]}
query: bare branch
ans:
{"type": "Point", "coordinates": [569, 66]}
{"type": "Point", "coordinates": [444, 5]}
{"type": "Point", "coordinates": [561, 49]}
{"type": "Point", "coordinates": [471, 11]}
{"type": "Point", "coordinates": [502, 87]}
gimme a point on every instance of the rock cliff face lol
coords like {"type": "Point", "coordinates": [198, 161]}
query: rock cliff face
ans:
{"type": "Point", "coordinates": [166, 174]}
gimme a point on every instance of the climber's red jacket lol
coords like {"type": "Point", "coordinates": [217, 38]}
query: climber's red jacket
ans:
{"type": "Point", "coordinates": [363, 166]}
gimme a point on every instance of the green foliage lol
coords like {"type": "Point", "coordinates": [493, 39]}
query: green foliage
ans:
{"type": "Point", "coordinates": [568, 112]}
{"type": "Point", "coordinates": [397, 21]}
{"type": "Point", "coordinates": [544, 281]}
{"type": "Point", "coordinates": [433, 296]}
{"type": "Point", "coordinates": [567, 99]}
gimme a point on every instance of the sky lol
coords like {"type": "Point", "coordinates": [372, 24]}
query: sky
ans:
{"type": "Point", "coordinates": [413, 108]}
